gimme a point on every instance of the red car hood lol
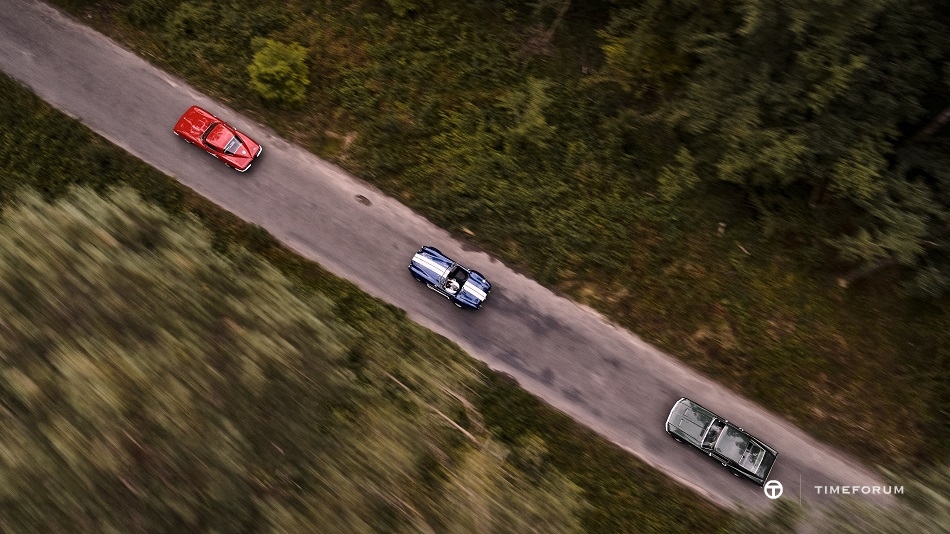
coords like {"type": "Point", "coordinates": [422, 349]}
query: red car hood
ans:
{"type": "Point", "coordinates": [194, 123]}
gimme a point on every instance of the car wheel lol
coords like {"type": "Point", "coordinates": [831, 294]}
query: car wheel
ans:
{"type": "Point", "coordinates": [737, 475]}
{"type": "Point", "coordinates": [457, 305]}
{"type": "Point", "coordinates": [678, 440]}
{"type": "Point", "coordinates": [724, 464]}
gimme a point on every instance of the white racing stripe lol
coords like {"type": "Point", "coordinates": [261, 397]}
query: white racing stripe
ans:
{"type": "Point", "coordinates": [474, 291]}
{"type": "Point", "coordinates": [428, 263]}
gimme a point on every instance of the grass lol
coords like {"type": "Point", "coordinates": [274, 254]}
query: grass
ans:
{"type": "Point", "coordinates": [438, 108]}
{"type": "Point", "coordinates": [615, 492]}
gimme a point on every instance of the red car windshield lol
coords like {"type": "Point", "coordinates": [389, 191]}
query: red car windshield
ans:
{"type": "Point", "coordinates": [222, 138]}
{"type": "Point", "coordinates": [233, 146]}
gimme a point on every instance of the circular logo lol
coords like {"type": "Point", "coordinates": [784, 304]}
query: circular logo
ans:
{"type": "Point", "coordinates": [773, 489]}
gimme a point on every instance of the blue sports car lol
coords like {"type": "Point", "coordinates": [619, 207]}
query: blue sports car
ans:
{"type": "Point", "coordinates": [465, 288]}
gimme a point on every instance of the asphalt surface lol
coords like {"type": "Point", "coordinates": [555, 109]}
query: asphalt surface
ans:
{"type": "Point", "coordinates": [600, 374]}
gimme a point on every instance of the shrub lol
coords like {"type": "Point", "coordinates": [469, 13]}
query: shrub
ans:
{"type": "Point", "coordinates": [402, 7]}
{"type": "Point", "coordinates": [279, 72]}
{"type": "Point", "coordinates": [149, 13]}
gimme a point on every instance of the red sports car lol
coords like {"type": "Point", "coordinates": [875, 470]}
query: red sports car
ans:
{"type": "Point", "coordinates": [217, 138]}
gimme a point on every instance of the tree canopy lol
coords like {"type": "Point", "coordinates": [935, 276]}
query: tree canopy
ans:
{"type": "Point", "coordinates": [801, 101]}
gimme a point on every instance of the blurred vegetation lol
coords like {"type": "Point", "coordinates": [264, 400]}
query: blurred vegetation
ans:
{"type": "Point", "coordinates": [922, 508]}
{"type": "Point", "coordinates": [165, 366]}
{"type": "Point", "coordinates": [148, 382]}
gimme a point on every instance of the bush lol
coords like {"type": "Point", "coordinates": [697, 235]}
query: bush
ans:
{"type": "Point", "coordinates": [402, 7]}
{"type": "Point", "coordinates": [279, 72]}
{"type": "Point", "coordinates": [149, 13]}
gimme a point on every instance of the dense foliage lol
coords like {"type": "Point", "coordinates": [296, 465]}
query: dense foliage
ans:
{"type": "Point", "coordinates": [830, 104]}
{"type": "Point", "coordinates": [710, 174]}
{"type": "Point", "coordinates": [154, 376]}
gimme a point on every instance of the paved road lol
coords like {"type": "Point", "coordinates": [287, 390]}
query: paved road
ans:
{"type": "Point", "coordinates": [602, 375]}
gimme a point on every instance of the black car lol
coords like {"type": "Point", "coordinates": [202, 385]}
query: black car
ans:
{"type": "Point", "coordinates": [733, 447]}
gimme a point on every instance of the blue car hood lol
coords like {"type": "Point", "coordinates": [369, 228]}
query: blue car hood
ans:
{"type": "Point", "coordinates": [475, 290]}
{"type": "Point", "coordinates": [432, 266]}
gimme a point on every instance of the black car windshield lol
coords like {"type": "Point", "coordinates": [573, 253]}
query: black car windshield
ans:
{"type": "Point", "coordinates": [712, 434]}
{"type": "Point", "coordinates": [233, 145]}
{"type": "Point", "coordinates": [733, 444]}
{"type": "Point", "coordinates": [753, 457]}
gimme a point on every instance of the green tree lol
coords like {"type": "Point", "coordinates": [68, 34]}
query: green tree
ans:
{"type": "Point", "coordinates": [649, 48]}
{"type": "Point", "coordinates": [679, 176]}
{"type": "Point", "coordinates": [188, 30]}
{"type": "Point", "coordinates": [897, 233]}
{"type": "Point", "coordinates": [799, 103]}
{"type": "Point", "coordinates": [525, 109]}
{"type": "Point", "coordinates": [149, 13]}
{"type": "Point", "coordinates": [279, 71]}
